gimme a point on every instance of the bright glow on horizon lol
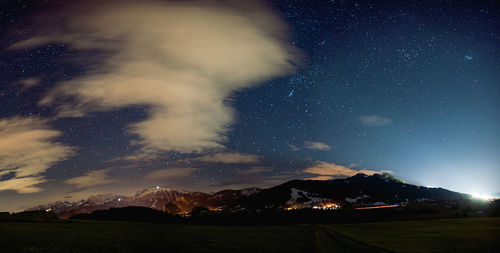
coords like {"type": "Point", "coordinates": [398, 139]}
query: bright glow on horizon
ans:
{"type": "Point", "coordinates": [481, 196]}
{"type": "Point", "coordinates": [456, 176]}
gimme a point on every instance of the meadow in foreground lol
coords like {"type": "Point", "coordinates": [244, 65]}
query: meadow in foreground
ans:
{"type": "Point", "coordinates": [457, 235]}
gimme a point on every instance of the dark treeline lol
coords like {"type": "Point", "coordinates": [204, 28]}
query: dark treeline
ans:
{"type": "Point", "coordinates": [494, 209]}
{"type": "Point", "coordinates": [307, 216]}
{"type": "Point", "coordinates": [130, 213]}
{"type": "Point", "coordinates": [29, 216]}
{"type": "Point", "coordinates": [201, 215]}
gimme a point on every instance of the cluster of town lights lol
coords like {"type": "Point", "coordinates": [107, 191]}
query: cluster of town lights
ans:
{"type": "Point", "coordinates": [323, 206]}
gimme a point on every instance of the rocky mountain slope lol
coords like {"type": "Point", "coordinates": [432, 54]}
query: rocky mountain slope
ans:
{"type": "Point", "coordinates": [359, 190]}
{"type": "Point", "coordinates": [155, 198]}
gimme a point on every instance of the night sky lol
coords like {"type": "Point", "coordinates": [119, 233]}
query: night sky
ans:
{"type": "Point", "coordinates": [118, 96]}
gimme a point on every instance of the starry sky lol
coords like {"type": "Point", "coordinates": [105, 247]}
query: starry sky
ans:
{"type": "Point", "coordinates": [118, 96]}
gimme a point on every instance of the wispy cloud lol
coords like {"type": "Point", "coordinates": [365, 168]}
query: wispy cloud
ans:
{"type": "Point", "coordinates": [293, 147]}
{"type": "Point", "coordinates": [170, 173]}
{"type": "Point", "coordinates": [320, 178]}
{"type": "Point", "coordinates": [27, 149]}
{"type": "Point", "coordinates": [315, 145]}
{"type": "Point", "coordinates": [240, 183]}
{"type": "Point", "coordinates": [23, 184]}
{"type": "Point", "coordinates": [254, 170]}
{"type": "Point", "coordinates": [30, 82]}
{"type": "Point", "coordinates": [331, 170]}
{"type": "Point", "coordinates": [183, 59]}
{"type": "Point", "coordinates": [375, 120]}
{"type": "Point", "coordinates": [233, 157]}
{"type": "Point", "coordinates": [92, 178]}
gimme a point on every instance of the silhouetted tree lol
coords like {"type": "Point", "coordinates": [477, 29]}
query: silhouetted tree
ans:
{"type": "Point", "coordinates": [495, 208]}
{"type": "Point", "coordinates": [172, 208]}
{"type": "Point", "coordinates": [129, 213]}
{"type": "Point", "coordinates": [199, 210]}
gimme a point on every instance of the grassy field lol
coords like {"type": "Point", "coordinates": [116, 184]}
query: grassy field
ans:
{"type": "Point", "coordinates": [464, 235]}
{"type": "Point", "coordinates": [103, 236]}
{"type": "Point", "coordinates": [450, 235]}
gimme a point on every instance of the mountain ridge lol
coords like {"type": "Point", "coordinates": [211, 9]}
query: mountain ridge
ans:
{"type": "Point", "coordinates": [355, 191]}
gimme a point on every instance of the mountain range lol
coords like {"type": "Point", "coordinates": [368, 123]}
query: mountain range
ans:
{"type": "Point", "coordinates": [356, 191]}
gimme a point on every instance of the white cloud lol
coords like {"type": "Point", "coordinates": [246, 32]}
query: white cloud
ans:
{"type": "Point", "coordinates": [314, 145]}
{"type": "Point", "coordinates": [375, 120]}
{"type": "Point", "coordinates": [28, 149]}
{"type": "Point", "coordinates": [183, 59]}
{"type": "Point", "coordinates": [92, 178]}
{"type": "Point", "coordinates": [334, 170]}
{"type": "Point", "coordinates": [227, 158]}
